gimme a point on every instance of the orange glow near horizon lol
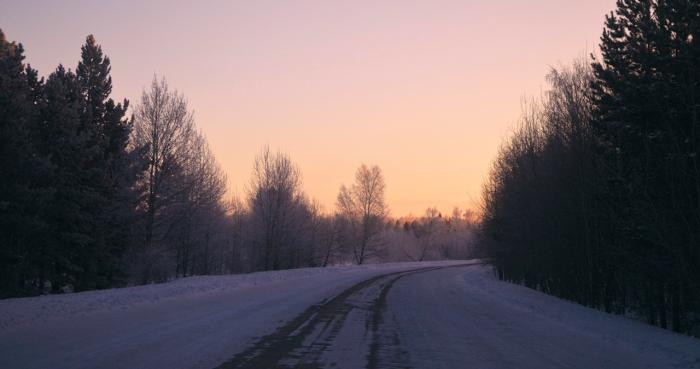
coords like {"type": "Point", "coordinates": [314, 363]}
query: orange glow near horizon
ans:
{"type": "Point", "coordinates": [424, 89]}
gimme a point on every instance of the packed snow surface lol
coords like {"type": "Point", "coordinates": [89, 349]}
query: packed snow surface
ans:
{"type": "Point", "coordinates": [466, 318]}
{"type": "Point", "coordinates": [457, 317]}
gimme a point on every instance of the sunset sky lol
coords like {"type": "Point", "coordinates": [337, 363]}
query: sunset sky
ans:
{"type": "Point", "coordinates": [424, 89]}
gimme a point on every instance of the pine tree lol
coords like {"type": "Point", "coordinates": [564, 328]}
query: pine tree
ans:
{"type": "Point", "coordinates": [647, 89]}
{"type": "Point", "coordinates": [73, 210]}
{"type": "Point", "coordinates": [108, 134]}
{"type": "Point", "coordinates": [23, 186]}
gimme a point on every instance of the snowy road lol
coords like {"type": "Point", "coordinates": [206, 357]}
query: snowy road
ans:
{"type": "Point", "coordinates": [415, 315]}
{"type": "Point", "coordinates": [465, 318]}
{"type": "Point", "coordinates": [461, 317]}
{"type": "Point", "coordinates": [197, 322]}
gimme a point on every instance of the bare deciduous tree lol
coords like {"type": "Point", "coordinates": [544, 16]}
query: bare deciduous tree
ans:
{"type": "Point", "coordinates": [363, 206]}
{"type": "Point", "coordinates": [276, 202]}
{"type": "Point", "coordinates": [163, 124]}
{"type": "Point", "coordinates": [427, 233]}
{"type": "Point", "coordinates": [181, 188]}
{"type": "Point", "coordinates": [327, 239]}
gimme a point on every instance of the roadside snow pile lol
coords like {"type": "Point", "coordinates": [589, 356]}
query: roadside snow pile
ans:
{"type": "Point", "coordinates": [20, 311]}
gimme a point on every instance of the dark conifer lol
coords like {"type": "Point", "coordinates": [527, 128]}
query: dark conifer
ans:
{"type": "Point", "coordinates": [23, 185]}
{"type": "Point", "coordinates": [107, 133]}
{"type": "Point", "coordinates": [647, 96]}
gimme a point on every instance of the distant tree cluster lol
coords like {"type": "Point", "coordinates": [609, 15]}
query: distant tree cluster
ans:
{"type": "Point", "coordinates": [596, 196]}
{"type": "Point", "coordinates": [277, 227]}
{"type": "Point", "coordinates": [433, 236]}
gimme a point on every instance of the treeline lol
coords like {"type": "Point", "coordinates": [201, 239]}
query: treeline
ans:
{"type": "Point", "coordinates": [596, 196]}
{"type": "Point", "coordinates": [65, 174]}
{"type": "Point", "coordinates": [92, 197]}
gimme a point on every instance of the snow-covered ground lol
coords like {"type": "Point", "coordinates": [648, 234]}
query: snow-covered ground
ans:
{"type": "Point", "coordinates": [466, 318]}
{"type": "Point", "coordinates": [448, 317]}
{"type": "Point", "coordinates": [196, 322]}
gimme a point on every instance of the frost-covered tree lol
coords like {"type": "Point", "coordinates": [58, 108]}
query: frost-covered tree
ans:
{"type": "Point", "coordinates": [164, 126]}
{"type": "Point", "coordinates": [278, 210]}
{"type": "Point", "coordinates": [363, 208]}
{"type": "Point", "coordinates": [180, 190]}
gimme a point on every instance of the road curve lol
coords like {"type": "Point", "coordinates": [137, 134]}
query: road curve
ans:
{"type": "Point", "coordinates": [461, 317]}
{"type": "Point", "coordinates": [343, 330]}
{"type": "Point", "coordinates": [405, 315]}
{"type": "Point", "coordinates": [193, 323]}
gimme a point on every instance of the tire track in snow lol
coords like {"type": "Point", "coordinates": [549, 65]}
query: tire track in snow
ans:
{"type": "Point", "coordinates": [308, 341]}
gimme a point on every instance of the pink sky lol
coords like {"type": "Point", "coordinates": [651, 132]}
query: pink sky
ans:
{"type": "Point", "coordinates": [424, 89]}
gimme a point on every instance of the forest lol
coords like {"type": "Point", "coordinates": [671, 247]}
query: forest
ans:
{"type": "Point", "coordinates": [595, 197]}
{"type": "Point", "coordinates": [96, 193]}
